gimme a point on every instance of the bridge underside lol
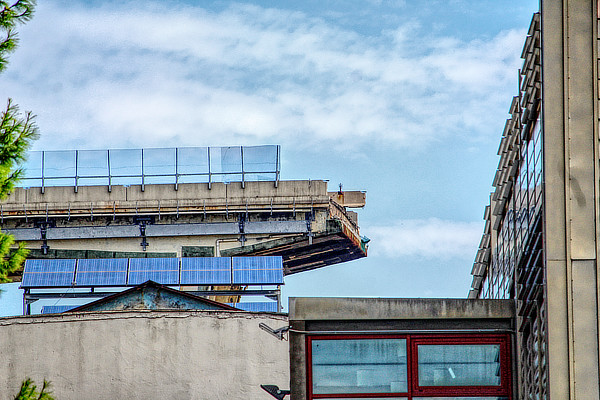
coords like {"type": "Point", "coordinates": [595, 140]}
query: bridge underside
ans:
{"type": "Point", "coordinates": [331, 247]}
{"type": "Point", "coordinates": [298, 220]}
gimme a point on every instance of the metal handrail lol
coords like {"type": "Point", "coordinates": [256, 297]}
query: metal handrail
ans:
{"type": "Point", "coordinates": [204, 172]}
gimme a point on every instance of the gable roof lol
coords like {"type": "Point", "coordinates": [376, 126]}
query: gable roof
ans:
{"type": "Point", "coordinates": [163, 298]}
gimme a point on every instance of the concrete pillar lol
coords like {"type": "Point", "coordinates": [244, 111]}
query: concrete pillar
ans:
{"type": "Point", "coordinates": [570, 116]}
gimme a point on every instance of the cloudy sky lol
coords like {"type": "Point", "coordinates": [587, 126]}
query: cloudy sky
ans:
{"type": "Point", "coordinates": [404, 99]}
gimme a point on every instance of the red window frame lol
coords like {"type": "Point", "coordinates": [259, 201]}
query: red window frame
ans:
{"type": "Point", "coordinates": [412, 343]}
{"type": "Point", "coordinates": [311, 395]}
{"type": "Point", "coordinates": [503, 389]}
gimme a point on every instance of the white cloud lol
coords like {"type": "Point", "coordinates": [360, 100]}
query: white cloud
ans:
{"type": "Point", "coordinates": [429, 238]}
{"type": "Point", "coordinates": [138, 73]}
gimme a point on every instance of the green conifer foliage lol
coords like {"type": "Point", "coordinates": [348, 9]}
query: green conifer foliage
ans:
{"type": "Point", "coordinates": [17, 131]}
{"type": "Point", "coordinates": [29, 391]}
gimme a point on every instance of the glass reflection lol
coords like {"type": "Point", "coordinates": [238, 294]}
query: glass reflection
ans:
{"type": "Point", "coordinates": [459, 365]}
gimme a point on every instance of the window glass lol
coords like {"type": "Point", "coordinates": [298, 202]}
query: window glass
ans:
{"type": "Point", "coordinates": [459, 365]}
{"type": "Point", "coordinates": [359, 366]}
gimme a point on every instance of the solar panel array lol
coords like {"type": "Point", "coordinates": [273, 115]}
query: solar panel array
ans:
{"type": "Point", "coordinates": [211, 270]}
{"type": "Point", "coordinates": [56, 309]}
{"type": "Point", "coordinates": [258, 306]}
{"type": "Point", "coordinates": [53, 273]}
{"type": "Point", "coordinates": [56, 273]}
{"type": "Point", "coordinates": [257, 270]}
{"type": "Point", "coordinates": [162, 270]}
{"type": "Point", "coordinates": [102, 272]}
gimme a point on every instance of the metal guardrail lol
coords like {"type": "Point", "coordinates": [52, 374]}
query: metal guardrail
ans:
{"type": "Point", "coordinates": [151, 166]}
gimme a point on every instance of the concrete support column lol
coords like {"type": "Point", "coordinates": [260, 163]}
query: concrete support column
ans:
{"type": "Point", "coordinates": [571, 188]}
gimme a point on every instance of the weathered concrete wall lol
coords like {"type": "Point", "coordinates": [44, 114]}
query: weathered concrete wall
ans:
{"type": "Point", "coordinates": [144, 355]}
{"type": "Point", "coordinates": [86, 194]}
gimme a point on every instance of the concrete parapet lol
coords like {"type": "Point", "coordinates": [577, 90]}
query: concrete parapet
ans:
{"type": "Point", "coordinates": [325, 308]}
{"type": "Point", "coordinates": [88, 200]}
{"type": "Point", "coordinates": [218, 190]}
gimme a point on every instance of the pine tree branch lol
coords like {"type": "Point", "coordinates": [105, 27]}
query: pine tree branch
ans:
{"type": "Point", "coordinates": [11, 15]}
{"type": "Point", "coordinates": [18, 12]}
{"type": "Point", "coordinates": [17, 132]}
{"type": "Point", "coordinates": [29, 391]}
{"type": "Point", "coordinates": [16, 135]}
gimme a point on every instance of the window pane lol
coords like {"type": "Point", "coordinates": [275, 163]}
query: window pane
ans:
{"type": "Point", "coordinates": [359, 366]}
{"type": "Point", "coordinates": [459, 365]}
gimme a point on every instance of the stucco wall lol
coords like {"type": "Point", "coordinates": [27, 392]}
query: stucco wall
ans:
{"type": "Point", "coordinates": [145, 355]}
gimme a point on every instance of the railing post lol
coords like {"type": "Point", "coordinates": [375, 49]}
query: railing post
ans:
{"type": "Point", "coordinates": [176, 168]}
{"type": "Point", "coordinates": [109, 176]}
{"type": "Point", "coordinates": [209, 173]}
{"type": "Point", "coordinates": [43, 158]}
{"type": "Point", "coordinates": [76, 170]}
{"type": "Point", "coordinates": [277, 166]}
{"type": "Point", "coordinates": [242, 158]}
{"type": "Point", "coordinates": [143, 187]}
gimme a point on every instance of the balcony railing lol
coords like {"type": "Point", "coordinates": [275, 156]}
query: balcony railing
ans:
{"type": "Point", "coordinates": [152, 166]}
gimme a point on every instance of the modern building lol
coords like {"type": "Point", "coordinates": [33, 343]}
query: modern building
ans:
{"type": "Point", "coordinates": [373, 348]}
{"type": "Point", "coordinates": [541, 241]}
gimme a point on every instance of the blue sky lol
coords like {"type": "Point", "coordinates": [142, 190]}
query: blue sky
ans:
{"type": "Point", "coordinates": [403, 99]}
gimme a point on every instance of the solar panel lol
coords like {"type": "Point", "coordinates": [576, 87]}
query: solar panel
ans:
{"type": "Point", "coordinates": [56, 309]}
{"type": "Point", "coordinates": [160, 270]}
{"type": "Point", "coordinates": [101, 272]}
{"type": "Point", "coordinates": [262, 306]}
{"type": "Point", "coordinates": [48, 273]}
{"type": "Point", "coordinates": [206, 271]}
{"type": "Point", "coordinates": [264, 270]}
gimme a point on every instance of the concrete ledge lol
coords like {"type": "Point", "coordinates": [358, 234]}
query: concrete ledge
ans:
{"type": "Point", "coordinates": [335, 308]}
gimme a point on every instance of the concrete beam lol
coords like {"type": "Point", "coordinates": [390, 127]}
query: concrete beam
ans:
{"type": "Point", "coordinates": [160, 230]}
{"type": "Point", "coordinates": [164, 192]}
{"type": "Point", "coordinates": [353, 199]}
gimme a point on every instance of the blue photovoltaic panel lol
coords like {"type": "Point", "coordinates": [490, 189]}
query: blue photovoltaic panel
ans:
{"type": "Point", "coordinates": [48, 273]}
{"type": "Point", "coordinates": [56, 309]}
{"type": "Point", "coordinates": [101, 272]}
{"type": "Point", "coordinates": [160, 270]}
{"type": "Point", "coordinates": [263, 306]}
{"type": "Point", "coordinates": [264, 270]}
{"type": "Point", "coordinates": [206, 271]}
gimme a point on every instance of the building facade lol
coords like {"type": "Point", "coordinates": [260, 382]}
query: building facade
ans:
{"type": "Point", "coordinates": [540, 244]}
{"type": "Point", "coordinates": [374, 348]}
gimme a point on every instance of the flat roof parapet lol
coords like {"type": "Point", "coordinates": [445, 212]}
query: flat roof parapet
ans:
{"type": "Point", "coordinates": [337, 308]}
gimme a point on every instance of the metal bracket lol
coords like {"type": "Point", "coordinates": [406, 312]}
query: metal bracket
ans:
{"type": "Point", "coordinates": [241, 226]}
{"type": "Point", "coordinates": [310, 234]}
{"type": "Point", "coordinates": [44, 225]}
{"type": "Point", "coordinates": [143, 221]}
{"type": "Point", "coordinates": [275, 391]}
{"type": "Point", "coordinates": [278, 333]}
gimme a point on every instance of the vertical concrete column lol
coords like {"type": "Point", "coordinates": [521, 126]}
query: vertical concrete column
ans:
{"type": "Point", "coordinates": [569, 95]}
